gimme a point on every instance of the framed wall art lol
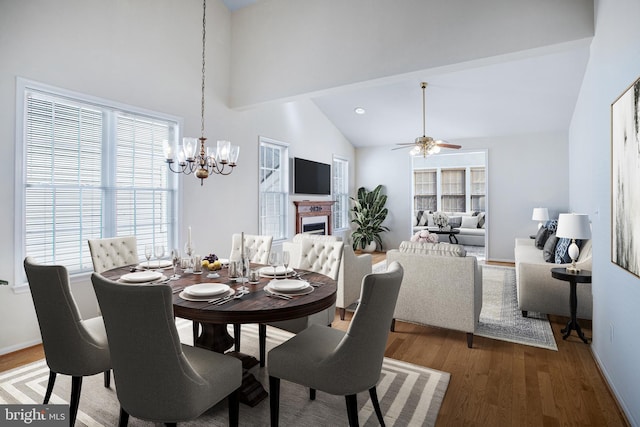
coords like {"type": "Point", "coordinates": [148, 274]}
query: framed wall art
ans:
{"type": "Point", "coordinates": [625, 180]}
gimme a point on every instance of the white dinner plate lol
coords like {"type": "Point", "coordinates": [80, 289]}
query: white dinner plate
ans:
{"type": "Point", "coordinates": [141, 276]}
{"type": "Point", "coordinates": [188, 297]}
{"type": "Point", "coordinates": [268, 289]}
{"type": "Point", "coordinates": [163, 263]}
{"type": "Point", "coordinates": [288, 285]}
{"type": "Point", "coordinates": [206, 289]}
{"type": "Point", "coordinates": [280, 271]}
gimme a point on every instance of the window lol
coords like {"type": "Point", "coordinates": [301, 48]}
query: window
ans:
{"type": "Point", "coordinates": [91, 170]}
{"type": "Point", "coordinates": [453, 190]}
{"type": "Point", "coordinates": [274, 188]}
{"type": "Point", "coordinates": [340, 193]}
{"type": "Point", "coordinates": [425, 196]}
{"type": "Point", "coordinates": [477, 189]}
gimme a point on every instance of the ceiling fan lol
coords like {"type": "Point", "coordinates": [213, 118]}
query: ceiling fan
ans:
{"type": "Point", "coordinates": [424, 144]}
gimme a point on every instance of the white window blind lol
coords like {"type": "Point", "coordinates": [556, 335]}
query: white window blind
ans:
{"type": "Point", "coordinates": [340, 193]}
{"type": "Point", "coordinates": [90, 170]}
{"type": "Point", "coordinates": [478, 181]}
{"type": "Point", "coordinates": [274, 178]}
{"type": "Point", "coordinates": [425, 190]}
{"type": "Point", "coordinates": [453, 190]}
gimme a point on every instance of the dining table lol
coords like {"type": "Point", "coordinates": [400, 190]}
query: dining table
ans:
{"type": "Point", "coordinates": [260, 304]}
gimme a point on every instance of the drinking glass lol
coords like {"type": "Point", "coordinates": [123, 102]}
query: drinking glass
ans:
{"type": "Point", "coordinates": [175, 260]}
{"type": "Point", "coordinates": [274, 261]}
{"type": "Point", "coordinates": [285, 261]}
{"type": "Point", "coordinates": [159, 253]}
{"type": "Point", "coordinates": [189, 249]}
{"type": "Point", "coordinates": [148, 251]}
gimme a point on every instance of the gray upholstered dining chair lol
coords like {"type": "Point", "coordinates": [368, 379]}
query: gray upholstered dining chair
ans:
{"type": "Point", "coordinates": [338, 362]}
{"type": "Point", "coordinates": [113, 252]}
{"type": "Point", "coordinates": [72, 345]}
{"type": "Point", "coordinates": [259, 245]}
{"type": "Point", "coordinates": [321, 257]}
{"type": "Point", "coordinates": [159, 379]}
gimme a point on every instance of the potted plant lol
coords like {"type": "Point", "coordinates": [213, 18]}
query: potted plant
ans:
{"type": "Point", "coordinates": [368, 214]}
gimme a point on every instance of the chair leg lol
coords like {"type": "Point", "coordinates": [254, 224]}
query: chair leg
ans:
{"type": "Point", "coordinates": [312, 394]}
{"type": "Point", "coordinates": [76, 387]}
{"type": "Point", "coordinates": [274, 400]}
{"type": "Point", "coordinates": [236, 336]}
{"type": "Point", "coordinates": [262, 343]}
{"type": "Point", "coordinates": [107, 378]}
{"type": "Point", "coordinates": [171, 424]}
{"type": "Point", "coordinates": [124, 418]}
{"type": "Point", "coordinates": [234, 409]}
{"type": "Point", "coordinates": [524, 313]}
{"type": "Point", "coordinates": [196, 326]}
{"type": "Point", "coordinates": [52, 381]}
{"type": "Point", "coordinates": [469, 340]}
{"type": "Point", "coordinates": [393, 325]}
{"type": "Point", "coordinates": [352, 409]}
{"type": "Point", "coordinates": [342, 312]}
{"type": "Point", "coordinates": [376, 405]}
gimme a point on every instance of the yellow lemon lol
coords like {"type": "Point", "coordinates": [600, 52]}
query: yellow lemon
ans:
{"type": "Point", "coordinates": [217, 265]}
{"type": "Point", "coordinates": [205, 263]}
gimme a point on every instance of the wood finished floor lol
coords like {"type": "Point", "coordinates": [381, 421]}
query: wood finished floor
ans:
{"type": "Point", "coordinates": [495, 383]}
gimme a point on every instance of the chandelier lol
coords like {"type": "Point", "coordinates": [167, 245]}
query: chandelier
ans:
{"type": "Point", "coordinates": [204, 161]}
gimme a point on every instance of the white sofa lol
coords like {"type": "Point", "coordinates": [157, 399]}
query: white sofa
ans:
{"type": "Point", "coordinates": [471, 226]}
{"type": "Point", "coordinates": [541, 293]}
{"type": "Point", "coordinates": [441, 286]}
{"type": "Point", "coordinates": [352, 269]}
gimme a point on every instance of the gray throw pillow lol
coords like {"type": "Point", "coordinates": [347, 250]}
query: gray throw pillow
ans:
{"type": "Point", "coordinates": [542, 236]}
{"type": "Point", "coordinates": [549, 250]}
{"type": "Point", "coordinates": [455, 221]}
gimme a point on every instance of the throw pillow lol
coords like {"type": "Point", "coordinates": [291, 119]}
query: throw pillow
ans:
{"type": "Point", "coordinates": [542, 236]}
{"type": "Point", "coordinates": [549, 250]}
{"type": "Point", "coordinates": [430, 222]}
{"type": "Point", "coordinates": [551, 224]}
{"type": "Point", "coordinates": [562, 257]}
{"type": "Point", "coordinates": [469, 222]}
{"type": "Point", "coordinates": [481, 219]}
{"type": "Point", "coordinates": [421, 218]}
{"type": "Point", "coordinates": [455, 221]}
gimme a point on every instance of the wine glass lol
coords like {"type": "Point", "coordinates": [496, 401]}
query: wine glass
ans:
{"type": "Point", "coordinates": [148, 251]}
{"type": "Point", "coordinates": [285, 261]}
{"type": "Point", "coordinates": [159, 253]}
{"type": "Point", "coordinates": [175, 260]}
{"type": "Point", "coordinates": [274, 261]}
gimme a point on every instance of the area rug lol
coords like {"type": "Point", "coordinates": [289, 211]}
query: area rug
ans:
{"type": "Point", "coordinates": [409, 395]}
{"type": "Point", "coordinates": [500, 318]}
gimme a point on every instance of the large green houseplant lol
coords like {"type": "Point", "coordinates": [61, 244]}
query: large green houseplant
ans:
{"type": "Point", "coordinates": [368, 215]}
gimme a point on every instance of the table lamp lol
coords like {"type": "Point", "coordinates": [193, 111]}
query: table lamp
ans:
{"type": "Point", "coordinates": [540, 214]}
{"type": "Point", "coordinates": [573, 226]}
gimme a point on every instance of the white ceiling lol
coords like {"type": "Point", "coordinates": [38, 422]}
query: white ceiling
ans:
{"type": "Point", "coordinates": [524, 93]}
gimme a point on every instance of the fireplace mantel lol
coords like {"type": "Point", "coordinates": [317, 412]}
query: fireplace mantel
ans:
{"type": "Point", "coordinates": [310, 208]}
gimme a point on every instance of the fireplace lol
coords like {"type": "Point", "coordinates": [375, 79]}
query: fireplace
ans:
{"type": "Point", "coordinates": [313, 217]}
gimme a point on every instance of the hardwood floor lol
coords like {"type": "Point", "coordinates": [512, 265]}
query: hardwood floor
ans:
{"type": "Point", "coordinates": [495, 383]}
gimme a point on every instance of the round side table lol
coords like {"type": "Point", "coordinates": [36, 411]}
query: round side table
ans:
{"type": "Point", "coordinates": [584, 276]}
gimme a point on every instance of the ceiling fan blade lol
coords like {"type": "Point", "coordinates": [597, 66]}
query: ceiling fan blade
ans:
{"type": "Point", "coordinates": [400, 148]}
{"type": "Point", "coordinates": [444, 145]}
{"type": "Point", "coordinates": [405, 143]}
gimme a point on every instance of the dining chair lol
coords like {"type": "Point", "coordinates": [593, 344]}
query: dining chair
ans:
{"type": "Point", "coordinates": [72, 345]}
{"type": "Point", "coordinates": [259, 245]}
{"type": "Point", "coordinates": [320, 257]}
{"type": "Point", "coordinates": [113, 252]}
{"type": "Point", "coordinates": [337, 362]}
{"type": "Point", "coordinates": [158, 378]}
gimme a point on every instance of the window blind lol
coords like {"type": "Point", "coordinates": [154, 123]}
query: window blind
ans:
{"type": "Point", "coordinates": [340, 193]}
{"type": "Point", "coordinates": [273, 189]}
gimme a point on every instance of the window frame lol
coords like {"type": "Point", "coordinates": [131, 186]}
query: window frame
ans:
{"type": "Point", "coordinates": [108, 144]}
{"type": "Point", "coordinates": [285, 180]}
{"type": "Point", "coordinates": [342, 193]}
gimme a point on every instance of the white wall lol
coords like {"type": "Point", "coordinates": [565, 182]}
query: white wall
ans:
{"type": "Point", "coordinates": [147, 54]}
{"type": "Point", "coordinates": [524, 171]}
{"type": "Point", "coordinates": [614, 64]}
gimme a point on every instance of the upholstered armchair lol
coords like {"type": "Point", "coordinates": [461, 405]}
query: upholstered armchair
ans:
{"type": "Point", "coordinates": [113, 252]}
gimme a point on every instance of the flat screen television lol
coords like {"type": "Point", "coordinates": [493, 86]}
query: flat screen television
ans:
{"type": "Point", "coordinates": [311, 177]}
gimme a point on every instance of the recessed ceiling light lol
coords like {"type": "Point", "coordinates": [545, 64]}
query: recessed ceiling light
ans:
{"type": "Point", "coordinates": [359, 110]}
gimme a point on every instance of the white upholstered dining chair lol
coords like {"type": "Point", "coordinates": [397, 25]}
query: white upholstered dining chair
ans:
{"type": "Point", "coordinates": [113, 252]}
{"type": "Point", "coordinates": [337, 362]}
{"type": "Point", "coordinates": [72, 345]}
{"type": "Point", "coordinates": [259, 245]}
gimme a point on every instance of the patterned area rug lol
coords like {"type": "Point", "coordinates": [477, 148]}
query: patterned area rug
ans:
{"type": "Point", "coordinates": [409, 395]}
{"type": "Point", "coordinates": [500, 318]}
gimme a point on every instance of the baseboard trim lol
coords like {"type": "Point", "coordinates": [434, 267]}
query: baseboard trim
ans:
{"type": "Point", "coordinates": [18, 347]}
{"type": "Point", "coordinates": [612, 391]}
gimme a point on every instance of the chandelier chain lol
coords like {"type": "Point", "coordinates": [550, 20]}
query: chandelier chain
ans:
{"type": "Point", "coordinates": [204, 38]}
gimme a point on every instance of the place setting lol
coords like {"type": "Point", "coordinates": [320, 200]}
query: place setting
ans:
{"type": "Point", "coordinates": [207, 292]}
{"type": "Point", "coordinates": [143, 277]}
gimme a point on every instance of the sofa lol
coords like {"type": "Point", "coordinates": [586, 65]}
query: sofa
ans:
{"type": "Point", "coordinates": [470, 224]}
{"type": "Point", "coordinates": [441, 287]}
{"type": "Point", "coordinates": [541, 293]}
{"type": "Point", "coordinates": [352, 269]}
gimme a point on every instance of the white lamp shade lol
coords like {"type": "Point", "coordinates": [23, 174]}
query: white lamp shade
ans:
{"type": "Point", "coordinates": [540, 214]}
{"type": "Point", "coordinates": [574, 226]}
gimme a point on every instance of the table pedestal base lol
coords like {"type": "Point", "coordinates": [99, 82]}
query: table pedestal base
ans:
{"type": "Point", "coordinates": [215, 337]}
{"type": "Point", "coordinates": [572, 325]}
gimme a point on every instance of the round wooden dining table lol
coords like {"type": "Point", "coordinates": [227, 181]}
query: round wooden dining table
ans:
{"type": "Point", "coordinates": [257, 306]}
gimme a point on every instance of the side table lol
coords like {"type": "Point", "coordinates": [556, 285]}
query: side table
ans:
{"type": "Point", "coordinates": [584, 276]}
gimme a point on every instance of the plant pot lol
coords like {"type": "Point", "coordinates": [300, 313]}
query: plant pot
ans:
{"type": "Point", "coordinates": [371, 247]}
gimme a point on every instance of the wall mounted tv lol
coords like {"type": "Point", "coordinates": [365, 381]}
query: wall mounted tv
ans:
{"type": "Point", "coordinates": [311, 177]}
